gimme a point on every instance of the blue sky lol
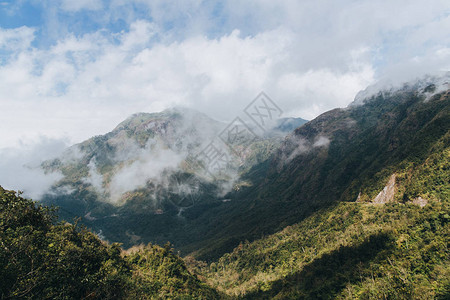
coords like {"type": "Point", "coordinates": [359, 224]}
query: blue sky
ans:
{"type": "Point", "coordinates": [55, 19]}
{"type": "Point", "coordinates": [76, 68]}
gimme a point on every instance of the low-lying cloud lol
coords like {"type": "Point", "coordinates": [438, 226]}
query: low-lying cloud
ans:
{"type": "Point", "coordinates": [175, 137]}
{"type": "Point", "coordinates": [20, 167]}
{"type": "Point", "coordinates": [148, 167]}
{"type": "Point", "coordinates": [295, 146]}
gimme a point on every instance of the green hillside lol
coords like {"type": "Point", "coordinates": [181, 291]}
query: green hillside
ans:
{"type": "Point", "coordinates": [352, 251]}
{"type": "Point", "coordinates": [391, 133]}
{"type": "Point", "coordinates": [41, 259]}
{"type": "Point", "coordinates": [395, 250]}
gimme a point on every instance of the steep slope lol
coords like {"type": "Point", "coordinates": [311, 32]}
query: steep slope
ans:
{"type": "Point", "coordinates": [343, 155]}
{"type": "Point", "coordinates": [351, 251]}
{"type": "Point", "coordinates": [363, 250]}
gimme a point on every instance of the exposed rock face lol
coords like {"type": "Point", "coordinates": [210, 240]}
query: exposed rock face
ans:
{"type": "Point", "coordinates": [420, 201]}
{"type": "Point", "coordinates": [387, 194]}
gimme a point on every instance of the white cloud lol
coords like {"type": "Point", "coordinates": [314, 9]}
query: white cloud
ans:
{"type": "Point", "coordinates": [87, 78]}
{"type": "Point", "coordinates": [20, 167]}
{"type": "Point", "coordinates": [16, 39]}
{"type": "Point", "coordinates": [321, 90]}
{"type": "Point", "coordinates": [149, 166]}
{"type": "Point", "coordinates": [94, 177]}
{"type": "Point", "coordinates": [295, 146]}
{"type": "Point", "coordinates": [77, 5]}
{"type": "Point", "coordinates": [321, 141]}
{"type": "Point", "coordinates": [309, 56]}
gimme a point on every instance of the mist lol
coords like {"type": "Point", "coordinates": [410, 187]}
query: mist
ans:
{"type": "Point", "coordinates": [176, 138]}
{"type": "Point", "coordinates": [20, 167]}
{"type": "Point", "coordinates": [439, 79]}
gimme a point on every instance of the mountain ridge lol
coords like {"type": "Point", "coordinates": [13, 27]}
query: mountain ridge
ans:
{"type": "Point", "coordinates": [140, 168]}
{"type": "Point", "coordinates": [358, 159]}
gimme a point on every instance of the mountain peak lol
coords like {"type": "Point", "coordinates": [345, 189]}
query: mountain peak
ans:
{"type": "Point", "coordinates": [427, 85]}
{"type": "Point", "coordinates": [169, 114]}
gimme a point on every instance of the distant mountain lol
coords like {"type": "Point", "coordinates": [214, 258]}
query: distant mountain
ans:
{"type": "Point", "coordinates": [146, 169]}
{"type": "Point", "coordinates": [288, 124]}
{"type": "Point", "coordinates": [138, 150]}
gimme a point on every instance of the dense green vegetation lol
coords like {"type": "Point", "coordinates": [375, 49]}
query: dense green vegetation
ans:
{"type": "Point", "coordinates": [353, 250]}
{"type": "Point", "coordinates": [397, 250]}
{"type": "Point", "coordinates": [303, 226]}
{"type": "Point", "coordinates": [396, 132]}
{"type": "Point", "coordinates": [160, 274]}
{"type": "Point", "coordinates": [41, 259]}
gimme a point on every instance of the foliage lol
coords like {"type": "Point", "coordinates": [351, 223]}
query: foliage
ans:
{"type": "Point", "coordinates": [64, 261]}
{"type": "Point", "coordinates": [41, 259]}
{"type": "Point", "coordinates": [352, 250]}
{"type": "Point", "coordinates": [158, 273]}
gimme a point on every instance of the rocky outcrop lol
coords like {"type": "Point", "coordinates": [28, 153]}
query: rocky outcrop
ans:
{"type": "Point", "coordinates": [420, 201]}
{"type": "Point", "coordinates": [387, 194]}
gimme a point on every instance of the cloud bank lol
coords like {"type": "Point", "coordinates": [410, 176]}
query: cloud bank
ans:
{"type": "Point", "coordinates": [20, 167]}
{"type": "Point", "coordinates": [130, 56]}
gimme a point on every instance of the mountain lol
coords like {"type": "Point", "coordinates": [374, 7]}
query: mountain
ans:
{"type": "Point", "coordinates": [383, 230]}
{"type": "Point", "coordinates": [343, 155]}
{"type": "Point", "coordinates": [136, 183]}
{"type": "Point", "coordinates": [286, 125]}
{"type": "Point", "coordinates": [359, 201]}
{"type": "Point", "coordinates": [353, 204]}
